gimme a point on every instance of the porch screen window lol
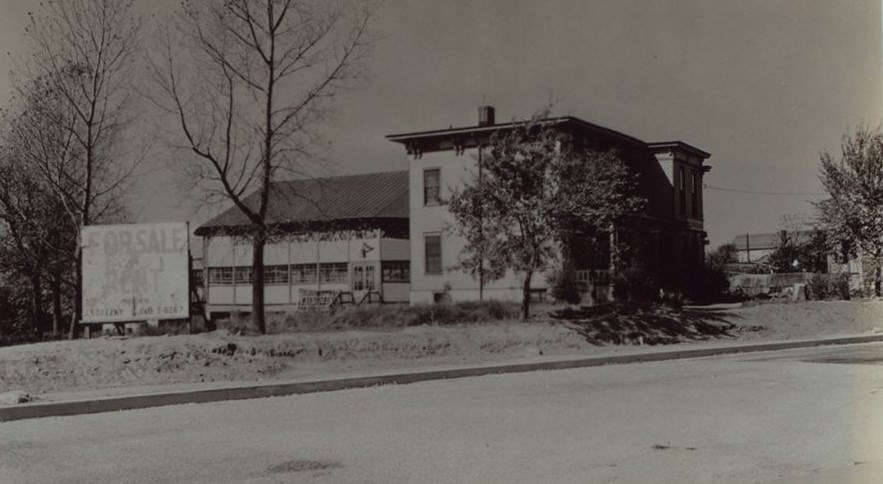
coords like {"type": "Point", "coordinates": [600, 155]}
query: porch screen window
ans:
{"type": "Point", "coordinates": [276, 275]}
{"type": "Point", "coordinates": [433, 254]}
{"type": "Point", "coordinates": [396, 271]}
{"type": "Point", "coordinates": [333, 272]}
{"type": "Point", "coordinates": [220, 276]}
{"type": "Point", "coordinates": [242, 275]}
{"type": "Point", "coordinates": [432, 186]}
{"type": "Point", "coordinates": [303, 273]}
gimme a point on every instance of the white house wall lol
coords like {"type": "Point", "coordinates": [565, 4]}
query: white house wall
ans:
{"type": "Point", "coordinates": [218, 252]}
{"type": "Point", "coordinates": [395, 249]}
{"type": "Point", "coordinates": [242, 253]}
{"type": "Point", "coordinates": [396, 291]}
{"type": "Point", "coordinates": [454, 171]}
{"type": "Point", "coordinates": [275, 254]}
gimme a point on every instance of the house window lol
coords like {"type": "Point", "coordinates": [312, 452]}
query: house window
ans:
{"type": "Point", "coordinates": [333, 272]}
{"type": "Point", "coordinates": [242, 275]}
{"type": "Point", "coordinates": [276, 275]}
{"type": "Point", "coordinates": [694, 194]}
{"type": "Point", "coordinates": [303, 273]}
{"type": "Point", "coordinates": [682, 192]}
{"type": "Point", "coordinates": [432, 186]}
{"type": "Point", "coordinates": [396, 271]}
{"type": "Point", "coordinates": [220, 276]}
{"type": "Point", "coordinates": [433, 254]}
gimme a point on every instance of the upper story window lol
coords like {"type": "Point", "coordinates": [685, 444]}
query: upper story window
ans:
{"type": "Point", "coordinates": [694, 194]}
{"type": "Point", "coordinates": [682, 191]}
{"type": "Point", "coordinates": [432, 186]}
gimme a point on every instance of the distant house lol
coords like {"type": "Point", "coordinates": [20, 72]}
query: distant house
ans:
{"type": "Point", "coordinates": [338, 236]}
{"type": "Point", "coordinates": [756, 248]}
{"type": "Point", "coordinates": [672, 235]}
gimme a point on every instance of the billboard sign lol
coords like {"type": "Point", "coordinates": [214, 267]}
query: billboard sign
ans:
{"type": "Point", "coordinates": [135, 272]}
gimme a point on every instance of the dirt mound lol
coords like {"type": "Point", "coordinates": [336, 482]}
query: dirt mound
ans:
{"type": "Point", "coordinates": [223, 356]}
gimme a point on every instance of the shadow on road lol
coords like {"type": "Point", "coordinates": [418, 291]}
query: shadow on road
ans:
{"type": "Point", "coordinates": [620, 323]}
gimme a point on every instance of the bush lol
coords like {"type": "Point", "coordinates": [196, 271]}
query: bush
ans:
{"type": "Point", "coordinates": [840, 286]}
{"type": "Point", "coordinates": [634, 284]}
{"type": "Point", "coordinates": [819, 287]}
{"type": "Point", "coordinates": [564, 286]}
{"type": "Point", "coordinates": [829, 286]}
{"type": "Point", "coordinates": [395, 316]}
{"type": "Point", "coordinates": [708, 285]}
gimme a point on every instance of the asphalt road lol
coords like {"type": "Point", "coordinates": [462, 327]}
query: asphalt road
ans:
{"type": "Point", "coordinates": [809, 416]}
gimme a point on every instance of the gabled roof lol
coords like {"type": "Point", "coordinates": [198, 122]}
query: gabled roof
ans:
{"type": "Point", "coordinates": [371, 196]}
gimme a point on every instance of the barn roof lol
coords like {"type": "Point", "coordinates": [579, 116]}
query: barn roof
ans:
{"type": "Point", "coordinates": [373, 196]}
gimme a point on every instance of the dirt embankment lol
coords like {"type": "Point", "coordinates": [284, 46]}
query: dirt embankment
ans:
{"type": "Point", "coordinates": [221, 356]}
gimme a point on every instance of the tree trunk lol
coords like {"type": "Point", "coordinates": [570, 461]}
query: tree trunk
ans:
{"type": "Point", "coordinates": [78, 295]}
{"type": "Point", "coordinates": [525, 297]}
{"type": "Point", "coordinates": [877, 279]}
{"type": "Point", "coordinates": [257, 282]}
{"type": "Point", "coordinates": [56, 303]}
{"type": "Point", "coordinates": [612, 264]}
{"type": "Point", "coordinates": [37, 302]}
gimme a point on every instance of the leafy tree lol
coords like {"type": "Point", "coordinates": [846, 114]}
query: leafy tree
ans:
{"type": "Point", "coordinates": [722, 255]}
{"type": "Point", "coordinates": [513, 194]}
{"type": "Point", "coordinates": [852, 215]}
{"type": "Point", "coordinates": [533, 193]}
{"type": "Point", "coordinates": [595, 201]}
{"type": "Point", "coordinates": [800, 252]}
{"type": "Point", "coordinates": [249, 83]}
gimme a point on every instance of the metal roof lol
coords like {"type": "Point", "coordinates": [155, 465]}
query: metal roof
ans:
{"type": "Point", "coordinates": [352, 197]}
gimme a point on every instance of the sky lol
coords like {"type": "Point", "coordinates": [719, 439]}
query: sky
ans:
{"type": "Point", "coordinates": [764, 86]}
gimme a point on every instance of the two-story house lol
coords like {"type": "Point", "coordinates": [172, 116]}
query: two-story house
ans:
{"type": "Point", "coordinates": [671, 239]}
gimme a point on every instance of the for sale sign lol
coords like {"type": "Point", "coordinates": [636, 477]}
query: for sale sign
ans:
{"type": "Point", "coordinates": [135, 272]}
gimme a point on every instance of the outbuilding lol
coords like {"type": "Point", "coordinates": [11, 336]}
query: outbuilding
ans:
{"type": "Point", "coordinates": [342, 239]}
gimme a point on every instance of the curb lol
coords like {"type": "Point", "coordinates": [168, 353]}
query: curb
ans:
{"type": "Point", "coordinates": [98, 405]}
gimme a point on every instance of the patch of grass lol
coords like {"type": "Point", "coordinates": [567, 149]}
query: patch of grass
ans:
{"type": "Point", "coordinates": [394, 316]}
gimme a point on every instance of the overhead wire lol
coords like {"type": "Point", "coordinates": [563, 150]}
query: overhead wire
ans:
{"type": "Point", "coordinates": [761, 192]}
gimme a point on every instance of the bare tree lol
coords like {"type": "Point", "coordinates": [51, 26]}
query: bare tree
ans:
{"type": "Point", "coordinates": [76, 83]}
{"type": "Point", "coordinates": [37, 246]}
{"type": "Point", "coordinates": [249, 90]}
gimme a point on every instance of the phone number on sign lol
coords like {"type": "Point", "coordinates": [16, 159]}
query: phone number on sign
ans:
{"type": "Point", "coordinates": [160, 311]}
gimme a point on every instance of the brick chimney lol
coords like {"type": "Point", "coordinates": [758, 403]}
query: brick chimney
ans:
{"type": "Point", "coordinates": [486, 116]}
